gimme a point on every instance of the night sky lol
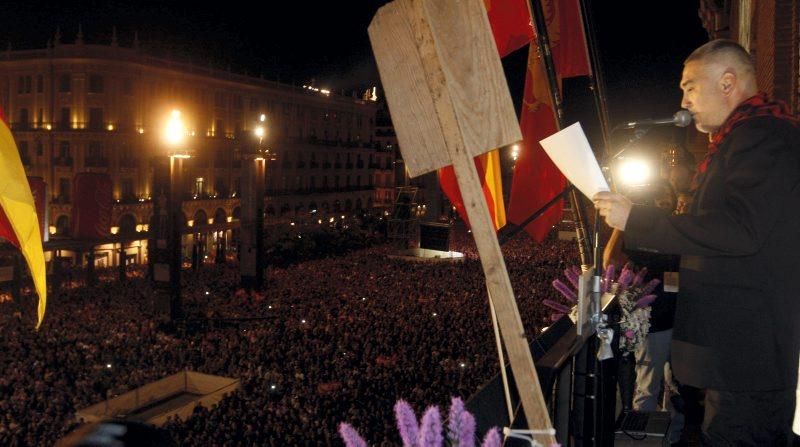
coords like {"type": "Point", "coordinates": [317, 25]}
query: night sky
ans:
{"type": "Point", "coordinates": [327, 42]}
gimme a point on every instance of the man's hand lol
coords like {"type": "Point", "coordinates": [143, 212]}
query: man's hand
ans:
{"type": "Point", "coordinates": [614, 207]}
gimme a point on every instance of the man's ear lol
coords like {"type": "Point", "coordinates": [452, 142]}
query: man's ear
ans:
{"type": "Point", "coordinates": [727, 83]}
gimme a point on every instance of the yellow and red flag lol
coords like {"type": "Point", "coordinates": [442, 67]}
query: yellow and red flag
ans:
{"type": "Point", "coordinates": [19, 223]}
{"type": "Point", "coordinates": [511, 27]}
{"type": "Point", "coordinates": [536, 179]}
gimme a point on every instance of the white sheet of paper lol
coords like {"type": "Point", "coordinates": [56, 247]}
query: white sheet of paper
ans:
{"type": "Point", "coordinates": [570, 151]}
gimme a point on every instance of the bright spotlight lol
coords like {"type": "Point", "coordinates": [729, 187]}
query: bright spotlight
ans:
{"type": "Point", "coordinates": [634, 172]}
{"type": "Point", "coordinates": [175, 131]}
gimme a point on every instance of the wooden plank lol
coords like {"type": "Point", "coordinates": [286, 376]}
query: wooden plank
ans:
{"type": "Point", "coordinates": [449, 102]}
{"type": "Point", "coordinates": [431, 50]}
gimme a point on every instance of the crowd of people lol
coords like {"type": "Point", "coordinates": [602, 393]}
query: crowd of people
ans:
{"type": "Point", "coordinates": [331, 340]}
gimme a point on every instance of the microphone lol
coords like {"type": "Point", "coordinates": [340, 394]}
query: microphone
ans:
{"type": "Point", "coordinates": [682, 118]}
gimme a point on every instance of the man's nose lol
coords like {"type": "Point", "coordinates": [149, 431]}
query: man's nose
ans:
{"type": "Point", "coordinates": [685, 103]}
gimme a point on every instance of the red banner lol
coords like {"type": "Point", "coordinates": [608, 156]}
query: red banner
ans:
{"type": "Point", "coordinates": [536, 178]}
{"type": "Point", "coordinates": [92, 198]}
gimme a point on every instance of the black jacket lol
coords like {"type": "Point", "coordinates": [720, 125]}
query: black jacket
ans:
{"type": "Point", "coordinates": [737, 319]}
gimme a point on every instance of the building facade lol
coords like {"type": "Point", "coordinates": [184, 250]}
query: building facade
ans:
{"type": "Point", "coordinates": [101, 108]}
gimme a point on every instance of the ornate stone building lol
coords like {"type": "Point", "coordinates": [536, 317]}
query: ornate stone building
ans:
{"type": "Point", "coordinates": [102, 108]}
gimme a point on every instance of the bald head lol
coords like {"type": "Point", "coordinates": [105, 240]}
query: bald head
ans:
{"type": "Point", "coordinates": [717, 77]}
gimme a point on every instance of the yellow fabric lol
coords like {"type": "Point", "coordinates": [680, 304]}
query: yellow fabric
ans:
{"type": "Point", "coordinates": [17, 202]}
{"type": "Point", "coordinates": [494, 181]}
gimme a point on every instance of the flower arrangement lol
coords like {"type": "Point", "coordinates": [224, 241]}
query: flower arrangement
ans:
{"type": "Point", "coordinates": [428, 432]}
{"type": "Point", "coordinates": [633, 295]}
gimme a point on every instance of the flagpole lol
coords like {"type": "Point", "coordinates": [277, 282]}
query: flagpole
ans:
{"type": "Point", "coordinates": [543, 45]}
{"type": "Point", "coordinates": [598, 85]}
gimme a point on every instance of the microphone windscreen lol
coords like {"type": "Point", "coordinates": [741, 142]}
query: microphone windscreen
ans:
{"type": "Point", "coordinates": [683, 118]}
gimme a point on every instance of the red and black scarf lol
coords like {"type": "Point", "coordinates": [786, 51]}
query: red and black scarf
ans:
{"type": "Point", "coordinates": [758, 105]}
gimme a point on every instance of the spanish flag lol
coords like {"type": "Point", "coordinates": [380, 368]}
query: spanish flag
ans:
{"type": "Point", "coordinates": [511, 26]}
{"type": "Point", "coordinates": [18, 221]}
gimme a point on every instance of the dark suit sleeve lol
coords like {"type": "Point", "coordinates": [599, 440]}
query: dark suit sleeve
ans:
{"type": "Point", "coordinates": [760, 172]}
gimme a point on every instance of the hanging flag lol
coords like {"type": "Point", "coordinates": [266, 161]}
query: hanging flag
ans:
{"type": "Point", "coordinates": [536, 179]}
{"type": "Point", "coordinates": [18, 221]}
{"type": "Point", "coordinates": [511, 26]}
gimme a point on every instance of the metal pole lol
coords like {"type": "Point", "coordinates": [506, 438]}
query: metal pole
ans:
{"type": "Point", "coordinates": [543, 44]}
{"type": "Point", "coordinates": [176, 222]}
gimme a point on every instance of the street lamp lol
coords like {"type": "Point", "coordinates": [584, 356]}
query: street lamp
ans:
{"type": "Point", "coordinates": [254, 168]}
{"type": "Point", "coordinates": [175, 138]}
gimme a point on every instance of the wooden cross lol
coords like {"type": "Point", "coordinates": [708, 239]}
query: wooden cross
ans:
{"type": "Point", "coordinates": [449, 102]}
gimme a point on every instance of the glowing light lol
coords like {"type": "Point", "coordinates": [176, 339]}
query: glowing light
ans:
{"type": "Point", "coordinates": [139, 228]}
{"type": "Point", "coordinates": [515, 152]}
{"type": "Point", "coordinates": [175, 131]}
{"type": "Point", "coordinates": [110, 127]}
{"type": "Point", "coordinates": [229, 219]}
{"type": "Point", "coordinates": [48, 126]}
{"type": "Point", "coordinates": [262, 118]}
{"type": "Point", "coordinates": [190, 223]}
{"type": "Point", "coordinates": [52, 229]}
{"type": "Point", "coordinates": [292, 224]}
{"type": "Point", "coordinates": [207, 292]}
{"type": "Point", "coordinates": [634, 172]}
{"type": "Point", "coordinates": [114, 230]}
{"type": "Point", "coordinates": [141, 130]}
{"type": "Point", "coordinates": [210, 221]}
{"type": "Point", "coordinates": [331, 220]}
{"type": "Point", "coordinates": [259, 131]}
{"type": "Point", "coordinates": [463, 365]}
{"type": "Point", "coordinates": [272, 387]}
{"type": "Point", "coordinates": [435, 314]}
{"type": "Point", "coordinates": [108, 365]}
{"type": "Point", "coordinates": [303, 321]}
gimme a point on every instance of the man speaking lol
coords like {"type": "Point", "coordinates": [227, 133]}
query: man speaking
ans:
{"type": "Point", "coordinates": [736, 323]}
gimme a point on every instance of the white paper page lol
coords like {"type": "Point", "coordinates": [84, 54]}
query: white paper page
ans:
{"type": "Point", "coordinates": [570, 151]}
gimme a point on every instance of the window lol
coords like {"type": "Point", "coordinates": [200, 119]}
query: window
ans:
{"type": "Point", "coordinates": [39, 148]}
{"type": "Point", "coordinates": [96, 119]}
{"type": "Point", "coordinates": [40, 118]}
{"type": "Point", "coordinates": [64, 190]}
{"type": "Point", "coordinates": [95, 84]}
{"type": "Point", "coordinates": [22, 146]}
{"type": "Point", "coordinates": [127, 190]}
{"type": "Point", "coordinates": [39, 84]}
{"type": "Point", "coordinates": [64, 83]}
{"type": "Point", "coordinates": [64, 120]}
{"type": "Point", "coordinates": [63, 149]}
{"type": "Point", "coordinates": [237, 102]}
{"type": "Point", "coordinates": [23, 121]}
{"type": "Point", "coordinates": [24, 85]}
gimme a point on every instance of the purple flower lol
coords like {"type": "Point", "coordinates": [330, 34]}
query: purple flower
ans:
{"type": "Point", "coordinates": [572, 277]}
{"type": "Point", "coordinates": [430, 433]}
{"type": "Point", "coordinates": [461, 428]}
{"type": "Point", "coordinates": [492, 438]}
{"type": "Point", "coordinates": [625, 278]}
{"type": "Point", "coordinates": [407, 423]}
{"type": "Point", "coordinates": [629, 334]}
{"type": "Point", "coordinates": [555, 316]}
{"type": "Point", "coordinates": [350, 436]}
{"type": "Point", "coordinates": [639, 278]}
{"type": "Point", "coordinates": [645, 301]}
{"type": "Point", "coordinates": [648, 289]}
{"type": "Point", "coordinates": [568, 293]}
{"type": "Point", "coordinates": [556, 306]}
